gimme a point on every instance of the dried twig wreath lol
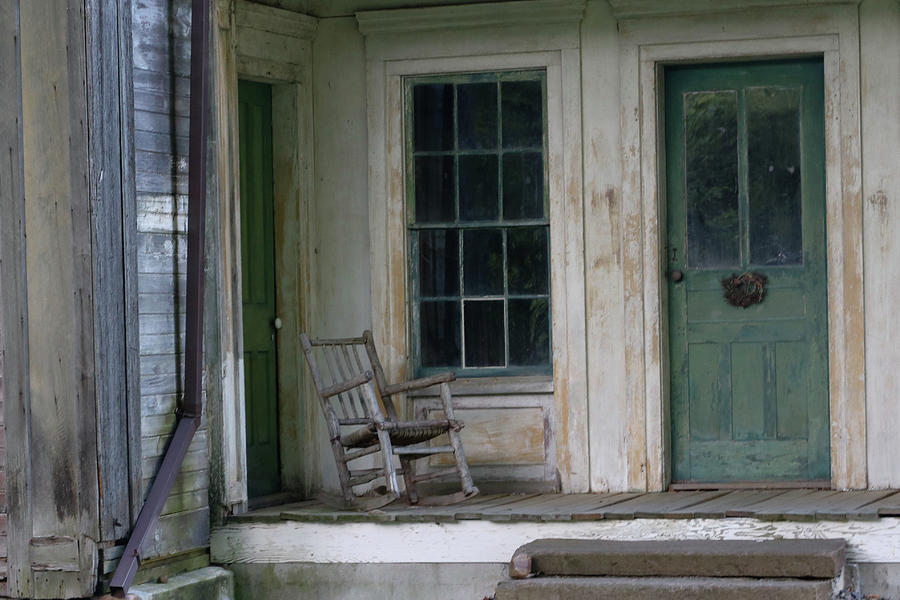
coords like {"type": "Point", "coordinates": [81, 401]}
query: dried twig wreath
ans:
{"type": "Point", "coordinates": [745, 289]}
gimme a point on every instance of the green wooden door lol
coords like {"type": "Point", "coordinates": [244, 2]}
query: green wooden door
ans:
{"type": "Point", "coordinates": [258, 287]}
{"type": "Point", "coordinates": [745, 168]}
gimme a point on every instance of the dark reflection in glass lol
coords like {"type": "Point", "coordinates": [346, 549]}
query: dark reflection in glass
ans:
{"type": "Point", "coordinates": [433, 117]}
{"type": "Point", "coordinates": [439, 333]}
{"type": "Point", "coordinates": [477, 115]}
{"type": "Point", "coordinates": [773, 150]}
{"type": "Point", "coordinates": [482, 262]}
{"type": "Point", "coordinates": [528, 257]}
{"type": "Point", "coordinates": [485, 338]}
{"type": "Point", "coordinates": [523, 185]}
{"type": "Point", "coordinates": [711, 178]}
{"type": "Point", "coordinates": [522, 116]}
{"type": "Point", "coordinates": [434, 189]}
{"type": "Point", "coordinates": [529, 332]}
{"type": "Point", "coordinates": [478, 193]}
{"type": "Point", "coordinates": [438, 262]}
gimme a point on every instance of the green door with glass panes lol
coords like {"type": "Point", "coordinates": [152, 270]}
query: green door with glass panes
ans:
{"type": "Point", "coordinates": [258, 287]}
{"type": "Point", "coordinates": [745, 260]}
{"type": "Point", "coordinates": [478, 226]}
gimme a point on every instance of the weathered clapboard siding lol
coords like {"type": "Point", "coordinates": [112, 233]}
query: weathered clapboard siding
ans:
{"type": "Point", "coordinates": [161, 46]}
{"type": "Point", "coordinates": [13, 308]}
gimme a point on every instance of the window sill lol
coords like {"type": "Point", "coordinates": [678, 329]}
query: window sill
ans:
{"type": "Point", "coordinates": [486, 386]}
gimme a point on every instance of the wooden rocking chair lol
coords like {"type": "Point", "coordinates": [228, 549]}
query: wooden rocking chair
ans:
{"type": "Point", "coordinates": [359, 410]}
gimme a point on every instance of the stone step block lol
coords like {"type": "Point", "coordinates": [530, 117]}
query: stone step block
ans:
{"type": "Point", "coordinates": [662, 588]}
{"type": "Point", "coordinates": [810, 559]}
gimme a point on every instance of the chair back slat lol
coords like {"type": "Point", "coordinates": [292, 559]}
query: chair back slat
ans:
{"type": "Point", "coordinates": [337, 375]}
{"type": "Point", "coordinates": [348, 351]}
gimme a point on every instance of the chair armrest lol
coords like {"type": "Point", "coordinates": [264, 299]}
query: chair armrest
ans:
{"type": "Point", "coordinates": [418, 384]}
{"type": "Point", "coordinates": [344, 386]}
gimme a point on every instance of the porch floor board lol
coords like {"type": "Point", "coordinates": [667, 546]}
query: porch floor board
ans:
{"type": "Point", "coordinates": [770, 505]}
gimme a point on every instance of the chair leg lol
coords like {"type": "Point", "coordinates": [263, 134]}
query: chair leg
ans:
{"type": "Point", "coordinates": [409, 473]}
{"type": "Point", "coordinates": [343, 472]}
{"type": "Point", "coordinates": [387, 456]}
{"type": "Point", "coordinates": [462, 467]}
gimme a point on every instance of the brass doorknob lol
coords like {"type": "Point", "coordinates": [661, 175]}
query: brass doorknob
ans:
{"type": "Point", "coordinates": [676, 275]}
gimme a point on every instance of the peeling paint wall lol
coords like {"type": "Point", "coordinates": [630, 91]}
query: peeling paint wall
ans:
{"type": "Point", "coordinates": [341, 265]}
{"type": "Point", "coordinates": [880, 87]}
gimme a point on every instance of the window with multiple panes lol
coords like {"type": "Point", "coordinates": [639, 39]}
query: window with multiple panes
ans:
{"type": "Point", "coordinates": [478, 222]}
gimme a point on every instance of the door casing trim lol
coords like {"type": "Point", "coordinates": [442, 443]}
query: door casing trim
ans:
{"type": "Point", "coordinates": [646, 46]}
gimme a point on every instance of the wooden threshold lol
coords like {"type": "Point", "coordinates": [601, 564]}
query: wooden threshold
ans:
{"type": "Point", "coordinates": [815, 484]}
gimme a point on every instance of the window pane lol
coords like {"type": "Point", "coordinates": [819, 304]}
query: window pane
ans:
{"type": "Point", "coordinates": [522, 114]}
{"type": "Point", "coordinates": [477, 115]}
{"type": "Point", "coordinates": [438, 263]}
{"type": "Point", "coordinates": [434, 189]}
{"type": "Point", "coordinates": [773, 130]}
{"type": "Point", "coordinates": [711, 178]}
{"type": "Point", "coordinates": [478, 197]}
{"type": "Point", "coordinates": [528, 260]}
{"type": "Point", "coordinates": [439, 333]}
{"type": "Point", "coordinates": [523, 185]}
{"type": "Point", "coordinates": [482, 262]}
{"type": "Point", "coordinates": [485, 338]}
{"type": "Point", "coordinates": [529, 332]}
{"type": "Point", "coordinates": [433, 117]}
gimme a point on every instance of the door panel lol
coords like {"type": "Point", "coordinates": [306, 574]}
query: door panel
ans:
{"type": "Point", "coordinates": [746, 193]}
{"type": "Point", "coordinates": [258, 288]}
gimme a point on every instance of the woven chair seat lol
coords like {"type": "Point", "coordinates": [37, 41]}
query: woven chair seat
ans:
{"type": "Point", "coordinates": [405, 436]}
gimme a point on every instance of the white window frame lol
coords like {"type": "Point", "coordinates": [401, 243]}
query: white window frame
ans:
{"type": "Point", "coordinates": [535, 34]}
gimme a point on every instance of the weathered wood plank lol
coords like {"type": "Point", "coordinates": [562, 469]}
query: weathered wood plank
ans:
{"type": "Point", "coordinates": [162, 364]}
{"type": "Point", "coordinates": [186, 481]}
{"type": "Point", "coordinates": [110, 114]}
{"type": "Point", "coordinates": [162, 213]}
{"type": "Point", "coordinates": [179, 532]}
{"type": "Point", "coordinates": [161, 183]}
{"type": "Point", "coordinates": [13, 304]}
{"type": "Point", "coordinates": [855, 505]}
{"type": "Point", "coordinates": [61, 299]}
{"type": "Point", "coordinates": [162, 83]}
{"type": "Point", "coordinates": [153, 447]}
{"type": "Point", "coordinates": [161, 253]}
{"type": "Point", "coordinates": [718, 508]}
{"type": "Point", "coordinates": [161, 141]}
{"type": "Point", "coordinates": [783, 505]}
{"type": "Point", "coordinates": [595, 510]}
{"type": "Point", "coordinates": [161, 123]}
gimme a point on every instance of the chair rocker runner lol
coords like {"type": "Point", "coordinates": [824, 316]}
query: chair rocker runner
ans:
{"type": "Point", "coordinates": [359, 410]}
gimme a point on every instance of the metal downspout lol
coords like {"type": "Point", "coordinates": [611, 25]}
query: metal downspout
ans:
{"type": "Point", "coordinates": [192, 402]}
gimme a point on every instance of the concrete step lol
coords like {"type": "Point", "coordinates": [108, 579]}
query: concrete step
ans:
{"type": "Point", "coordinates": [807, 559]}
{"type": "Point", "coordinates": [662, 588]}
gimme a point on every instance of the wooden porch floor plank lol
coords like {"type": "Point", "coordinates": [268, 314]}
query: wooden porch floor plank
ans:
{"type": "Point", "coordinates": [526, 510]}
{"type": "Point", "coordinates": [857, 505]}
{"type": "Point", "coordinates": [658, 505]}
{"type": "Point", "coordinates": [889, 506]}
{"type": "Point", "coordinates": [793, 505]}
{"type": "Point", "coordinates": [732, 502]}
{"type": "Point", "coordinates": [768, 505]}
{"type": "Point", "coordinates": [594, 512]}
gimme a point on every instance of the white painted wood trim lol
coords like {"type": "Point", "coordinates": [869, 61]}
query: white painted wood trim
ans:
{"type": "Point", "coordinates": [647, 43]}
{"type": "Point", "coordinates": [274, 46]}
{"type": "Point", "coordinates": [492, 542]}
{"type": "Point", "coordinates": [505, 14]}
{"type": "Point", "coordinates": [385, 72]}
{"type": "Point", "coordinates": [275, 20]}
{"type": "Point", "coordinates": [655, 8]}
